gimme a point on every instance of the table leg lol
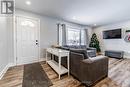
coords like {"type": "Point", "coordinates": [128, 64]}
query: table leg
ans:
{"type": "Point", "coordinates": [59, 76]}
{"type": "Point", "coordinates": [52, 57]}
{"type": "Point", "coordinates": [46, 57]}
{"type": "Point", "coordinates": [68, 64]}
{"type": "Point", "coordinates": [59, 65]}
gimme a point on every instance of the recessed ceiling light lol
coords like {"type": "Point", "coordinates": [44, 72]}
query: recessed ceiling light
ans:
{"type": "Point", "coordinates": [95, 24]}
{"type": "Point", "coordinates": [28, 2]}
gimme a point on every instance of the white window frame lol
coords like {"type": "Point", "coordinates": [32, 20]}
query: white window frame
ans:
{"type": "Point", "coordinates": [75, 30]}
{"type": "Point", "coordinates": [80, 30]}
{"type": "Point", "coordinates": [60, 32]}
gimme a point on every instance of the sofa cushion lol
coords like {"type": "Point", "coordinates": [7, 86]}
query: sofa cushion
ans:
{"type": "Point", "coordinates": [75, 46]}
{"type": "Point", "coordinates": [83, 47]}
{"type": "Point", "coordinates": [81, 51]}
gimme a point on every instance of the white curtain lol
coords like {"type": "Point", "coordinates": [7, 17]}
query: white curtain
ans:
{"type": "Point", "coordinates": [86, 37]}
{"type": "Point", "coordinates": [61, 34]}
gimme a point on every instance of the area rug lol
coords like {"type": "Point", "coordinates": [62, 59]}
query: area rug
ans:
{"type": "Point", "coordinates": [35, 76]}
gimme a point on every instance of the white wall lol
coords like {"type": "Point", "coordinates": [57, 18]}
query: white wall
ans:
{"type": "Point", "coordinates": [6, 45]}
{"type": "Point", "coordinates": [48, 31]}
{"type": "Point", "coordinates": [10, 39]}
{"type": "Point", "coordinates": [114, 44]}
{"type": "Point", "coordinates": [3, 42]}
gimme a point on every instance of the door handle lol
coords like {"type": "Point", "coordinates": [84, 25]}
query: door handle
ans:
{"type": "Point", "coordinates": [36, 42]}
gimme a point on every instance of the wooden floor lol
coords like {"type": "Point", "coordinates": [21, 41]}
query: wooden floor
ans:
{"type": "Point", "coordinates": [119, 76]}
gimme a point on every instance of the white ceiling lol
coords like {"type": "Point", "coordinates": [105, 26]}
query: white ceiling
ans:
{"type": "Point", "coordinates": [86, 12]}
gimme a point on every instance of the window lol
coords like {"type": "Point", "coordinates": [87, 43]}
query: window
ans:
{"type": "Point", "coordinates": [27, 23]}
{"type": "Point", "coordinates": [73, 37]}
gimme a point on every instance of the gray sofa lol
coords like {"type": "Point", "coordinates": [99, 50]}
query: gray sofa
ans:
{"type": "Point", "coordinates": [90, 51]}
{"type": "Point", "coordinates": [86, 69]}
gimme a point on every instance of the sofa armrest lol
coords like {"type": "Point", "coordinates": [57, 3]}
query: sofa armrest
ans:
{"type": "Point", "coordinates": [95, 59]}
{"type": "Point", "coordinates": [94, 69]}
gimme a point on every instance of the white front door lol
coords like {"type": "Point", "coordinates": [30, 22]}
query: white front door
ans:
{"type": "Point", "coordinates": [27, 40]}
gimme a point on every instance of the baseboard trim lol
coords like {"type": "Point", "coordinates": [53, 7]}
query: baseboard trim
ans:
{"type": "Point", "coordinates": [42, 59]}
{"type": "Point", "coordinates": [12, 64]}
{"type": "Point", "coordinates": [4, 71]}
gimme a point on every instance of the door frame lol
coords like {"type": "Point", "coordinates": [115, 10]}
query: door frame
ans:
{"type": "Point", "coordinates": [15, 36]}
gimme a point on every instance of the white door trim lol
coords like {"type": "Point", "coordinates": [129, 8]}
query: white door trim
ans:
{"type": "Point", "coordinates": [15, 36]}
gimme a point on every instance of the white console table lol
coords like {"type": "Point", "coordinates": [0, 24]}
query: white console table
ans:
{"type": "Point", "coordinates": [57, 66]}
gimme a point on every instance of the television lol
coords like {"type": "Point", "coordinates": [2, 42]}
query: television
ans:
{"type": "Point", "coordinates": [112, 34]}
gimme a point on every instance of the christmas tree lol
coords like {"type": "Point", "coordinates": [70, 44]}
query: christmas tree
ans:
{"type": "Point", "coordinates": [95, 43]}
